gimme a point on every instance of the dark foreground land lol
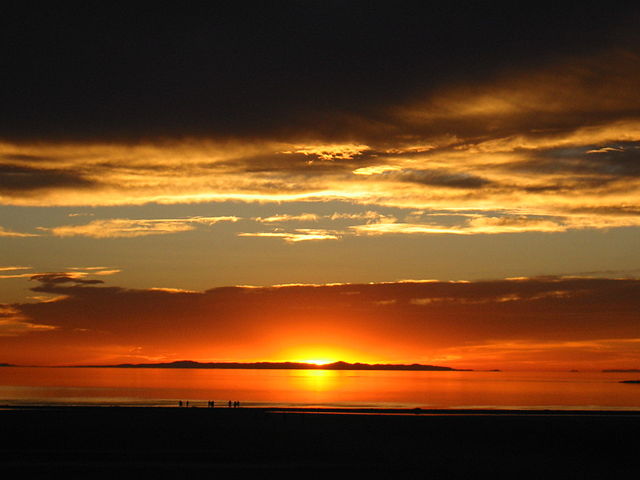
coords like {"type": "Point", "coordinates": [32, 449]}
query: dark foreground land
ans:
{"type": "Point", "coordinates": [193, 442]}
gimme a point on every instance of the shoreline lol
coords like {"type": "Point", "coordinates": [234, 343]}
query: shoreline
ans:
{"type": "Point", "coordinates": [333, 410]}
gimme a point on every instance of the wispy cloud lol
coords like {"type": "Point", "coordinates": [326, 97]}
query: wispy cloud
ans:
{"type": "Point", "coordinates": [9, 233]}
{"type": "Point", "coordinates": [328, 151]}
{"type": "Point", "coordinates": [73, 274]}
{"type": "Point", "coordinates": [123, 227]}
{"type": "Point", "coordinates": [487, 225]}
{"type": "Point", "coordinates": [297, 235]}
{"type": "Point", "coordinates": [313, 217]}
{"type": "Point", "coordinates": [305, 217]}
{"type": "Point", "coordinates": [14, 269]}
{"type": "Point", "coordinates": [13, 323]}
{"type": "Point", "coordinates": [16, 275]}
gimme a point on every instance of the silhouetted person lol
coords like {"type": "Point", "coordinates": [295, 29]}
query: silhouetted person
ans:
{"type": "Point", "coordinates": [187, 403]}
{"type": "Point", "coordinates": [180, 403]}
{"type": "Point", "coordinates": [230, 403]}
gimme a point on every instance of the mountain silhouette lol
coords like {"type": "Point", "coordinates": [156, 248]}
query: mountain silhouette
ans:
{"type": "Point", "coordinates": [282, 366]}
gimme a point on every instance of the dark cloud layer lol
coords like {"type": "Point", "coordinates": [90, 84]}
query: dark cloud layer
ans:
{"type": "Point", "coordinates": [442, 106]}
{"type": "Point", "coordinates": [101, 71]}
{"type": "Point", "coordinates": [525, 299]}
{"type": "Point", "coordinates": [16, 179]}
{"type": "Point", "coordinates": [607, 162]}
{"type": "Point", "coordinates": [439, 178]}
{"type": "Point", "coordinates": [420, 318]}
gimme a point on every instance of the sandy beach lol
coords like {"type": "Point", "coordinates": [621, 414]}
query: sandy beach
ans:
{"type": "Point", "coordinates": [130, 441]}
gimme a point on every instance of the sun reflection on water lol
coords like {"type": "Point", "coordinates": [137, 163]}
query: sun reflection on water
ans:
{"type": "Point", "coordinates": [316, 380]}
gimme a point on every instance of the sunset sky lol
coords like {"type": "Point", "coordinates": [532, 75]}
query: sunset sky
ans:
{"type": "Point", "coordinates": [457, 184]}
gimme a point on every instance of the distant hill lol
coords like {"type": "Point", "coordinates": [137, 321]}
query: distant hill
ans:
{"type": "Point", "coordinates": [283, 366]}
{"type": "Point", "coordinates": [628, 370]}
{"type": "Point", "coordinates": [6, 365]}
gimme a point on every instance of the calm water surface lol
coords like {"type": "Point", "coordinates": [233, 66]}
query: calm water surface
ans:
{"type": "Point", "coordinates": [388, 389]}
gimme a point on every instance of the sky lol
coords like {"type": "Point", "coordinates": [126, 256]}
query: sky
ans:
{"type": "Point", "coordinates": [455, 184]}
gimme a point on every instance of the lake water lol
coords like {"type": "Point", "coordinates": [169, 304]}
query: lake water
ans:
{"type": "Point", "coordinates": [323, 388]}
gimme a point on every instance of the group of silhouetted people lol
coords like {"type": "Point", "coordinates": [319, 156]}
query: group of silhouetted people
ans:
{"type": "Point", "coordinates": [211, 403]}
{"type": "Point", "coordinates": [232, 404]}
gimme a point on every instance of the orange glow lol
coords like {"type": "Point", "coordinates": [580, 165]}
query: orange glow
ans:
{"type": "Point", "coordinates": [317, 354]}
{"type": "Point", "coordinates": [461, 325]}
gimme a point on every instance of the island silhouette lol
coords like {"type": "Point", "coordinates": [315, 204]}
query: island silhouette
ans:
{"type": "Point", "coordinates": [283, 366]}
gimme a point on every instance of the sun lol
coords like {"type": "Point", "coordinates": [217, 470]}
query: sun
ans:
{"type": "Point", "coordinates": [318, 361]}
{"type": "Point", "coordinates": [316, 354]}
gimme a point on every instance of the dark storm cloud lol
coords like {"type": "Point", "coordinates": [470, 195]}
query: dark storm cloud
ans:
{"type": "Point", "coordinates": [437, 107]}
{"type": "Point", "coordinates": [614, 161]}
{"type": "Point", "coordinates": [615, 210]}
{"type": "Point", "coordinates": [24, 158]}
{"type": "Point", "coordinates": [288, 69]}
{"type": "Point", "coordinates": [438, 178]}
{"type": "Point", "coordinates": [16, 179]}
{"type": "Point", "coordinates": [584, 169]}
{"type": "Point", "coordinates": [540, 308]}
{"type": "Point", "coordinates": [621, 160]}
